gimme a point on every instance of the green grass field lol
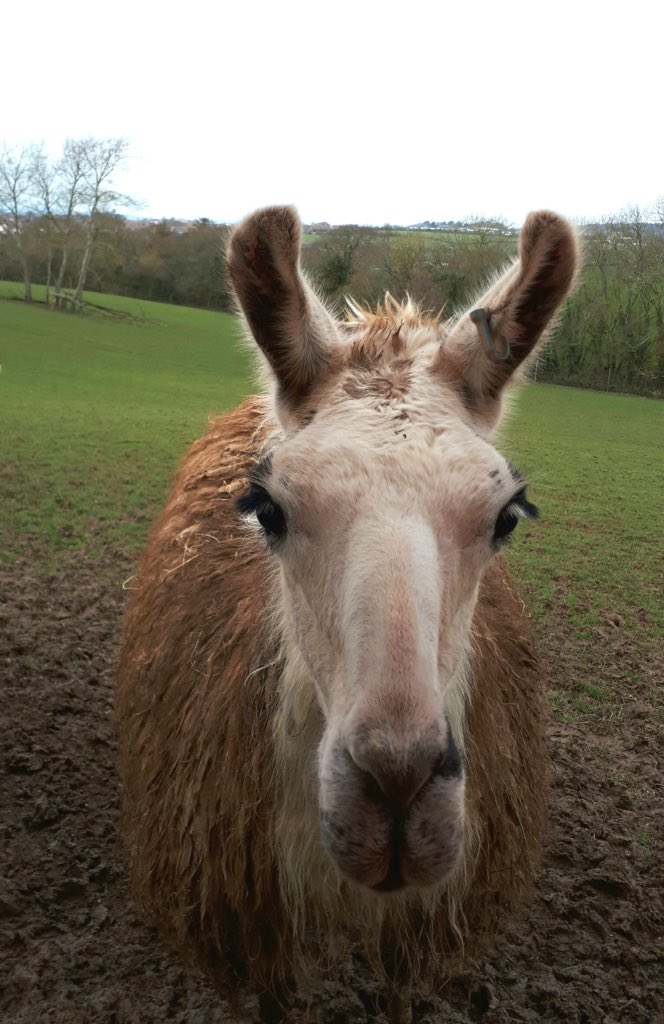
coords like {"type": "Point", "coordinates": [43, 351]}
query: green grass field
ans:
{"type": "Point", "coordinates": [96, 410]}
{"type": "Point", "coordinates": [596, 470]}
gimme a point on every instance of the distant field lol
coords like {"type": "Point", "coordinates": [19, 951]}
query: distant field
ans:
{"type": "Point", "coordinates": [430, 237]}
{"type": "Point", "coordinates": [96, 410]}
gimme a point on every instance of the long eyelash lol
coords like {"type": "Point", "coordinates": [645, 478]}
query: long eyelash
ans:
{"type": "Point", "coordinates": [257, 501]}
{"type": "Point", "coordinates": [521, 507]}
{"type": "Point", "coordinates": [518, 508]}
{"type": "Point", "coordinates": [252, 499]}
{"type": "Point", "coordinates": [257, 492]}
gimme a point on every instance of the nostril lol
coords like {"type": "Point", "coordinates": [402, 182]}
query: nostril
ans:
{"type": "Point", "coordinates": [372, 789]}
{"type": "Point", "coordinates": [398, 787]}
{"type": "Point", "coordinates": [396, 780]}
{"type": "Point", "coordinates": [449, 764]}
{"type": "Point", "coordinates": [386, 777]}
{"type": "Point", "coordinates": [394, 776]}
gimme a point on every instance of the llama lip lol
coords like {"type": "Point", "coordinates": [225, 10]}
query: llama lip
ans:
{"type": "Point", "coordinates": [394, 880]}
{"type": "Point", "coordinates": [391, 883]}
{"type": "Point", "coordinates": [385, 849]}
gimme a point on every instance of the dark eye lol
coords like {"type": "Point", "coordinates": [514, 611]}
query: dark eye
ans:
{"type": "Point", "coordinates": [258, 502]}
{"type": "Point", "coordinates": [518, 508]}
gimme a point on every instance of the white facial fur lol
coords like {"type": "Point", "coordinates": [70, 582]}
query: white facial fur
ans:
{"type": "Point", "coordinates": [390, 506]}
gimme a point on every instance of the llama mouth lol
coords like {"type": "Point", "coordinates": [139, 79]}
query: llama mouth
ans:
{"type": "Point", "coordinates": [396, 863]}
{"type": "Point", "coordinates": [386, 850]}
{"type": "Point", "coordinates": [394, 880]}
{"type": "Point", "coordinates": [384, 844]}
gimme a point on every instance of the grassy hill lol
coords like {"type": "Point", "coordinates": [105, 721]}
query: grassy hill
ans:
{"type": "Point", "coordinates": [96, 410]}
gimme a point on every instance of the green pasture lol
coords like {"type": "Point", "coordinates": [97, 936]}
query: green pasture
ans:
{"type": "Point", "coordinates": [96, 410]}
{"type": "Point", "coordinates": [591, 568]}
{"type": "Point", "coordinates": [595, 463]}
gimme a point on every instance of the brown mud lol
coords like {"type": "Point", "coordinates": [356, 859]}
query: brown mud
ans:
{"type": "Point", "coordinates": [588, 949]}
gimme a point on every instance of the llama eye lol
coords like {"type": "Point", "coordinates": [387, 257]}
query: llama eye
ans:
{"type": "Point", "coordinates": [505, 524]}
{"type": "Point", "coordinates": [518, 508]}
{"type": "Point", "coordinates": [258, 502]}
{"type": "Point", "coordinates": [271, 519]}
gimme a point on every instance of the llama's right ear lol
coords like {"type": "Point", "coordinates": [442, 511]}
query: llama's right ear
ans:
{"type": "Point", "coordinates": [509, 322]}
{"type": "Point", "coordinates": [289, 323]}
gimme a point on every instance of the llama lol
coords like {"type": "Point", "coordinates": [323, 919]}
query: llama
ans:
{"type": "Point", "coordinates": [329, 719]}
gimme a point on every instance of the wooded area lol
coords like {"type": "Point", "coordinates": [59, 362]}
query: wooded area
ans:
{"type": "Point", "coordinates": [611, 332]}
{"type": "Point", "coordinates": [60, 227]}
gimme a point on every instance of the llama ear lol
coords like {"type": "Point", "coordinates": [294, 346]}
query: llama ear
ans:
{"type": "Point", "coordinates": [289, 323]}
{"type": "Point", "coordinates": [492, 340]}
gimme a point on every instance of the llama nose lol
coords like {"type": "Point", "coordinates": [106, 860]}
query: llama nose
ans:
{"type": "Point", "coordinates": [396, 774]}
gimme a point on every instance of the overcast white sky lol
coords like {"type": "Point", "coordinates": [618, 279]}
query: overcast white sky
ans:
{"type": "Point", "coordinates": [368, 112]}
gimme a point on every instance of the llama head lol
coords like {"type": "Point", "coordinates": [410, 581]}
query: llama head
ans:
{"type": "Point", "coordinates": [383, 500]}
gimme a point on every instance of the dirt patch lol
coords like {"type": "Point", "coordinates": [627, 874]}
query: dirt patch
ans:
{"type": "Point", "coordinates": [588, 950]}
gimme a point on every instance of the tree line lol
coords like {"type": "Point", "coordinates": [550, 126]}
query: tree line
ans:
{"type": "Point", "coordinates": [60, 226]}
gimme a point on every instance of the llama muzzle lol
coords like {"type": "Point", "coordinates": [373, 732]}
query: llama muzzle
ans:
{"type": "Point", "coordinates": [392, 814]}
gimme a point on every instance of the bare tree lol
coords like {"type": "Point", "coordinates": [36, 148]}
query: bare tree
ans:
{"type": "Point", "coordinates": [17, 202]}
{"type": "Point", "coordinates": [658, 209]}
{"type": "Point", "coordinates": [100, 159]}
{"type": "Point", "coordinates": [44, 180]}
{"type": "Point", "coordinates": [405, 258]}
{"type": "Point", "coordinates": [68, 195]}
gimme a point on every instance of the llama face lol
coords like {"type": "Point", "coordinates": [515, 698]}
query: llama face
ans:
{"type": "Point", "coordinates": [384, 501]}
{"type": "Point", "coordinates": [384, 510]}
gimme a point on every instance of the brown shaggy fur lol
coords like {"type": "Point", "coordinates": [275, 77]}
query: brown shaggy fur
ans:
{"type": "Point", "coordinates": [197, 693]}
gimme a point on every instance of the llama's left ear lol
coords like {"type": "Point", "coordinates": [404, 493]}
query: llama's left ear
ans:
{"type": "Point", "coordinates": [289, 323]}
{"type": "Point", "coordinates": [492, 339]}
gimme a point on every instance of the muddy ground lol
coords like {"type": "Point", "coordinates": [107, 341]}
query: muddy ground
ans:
{"type": "Point", "coordinates": [589, 949]}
